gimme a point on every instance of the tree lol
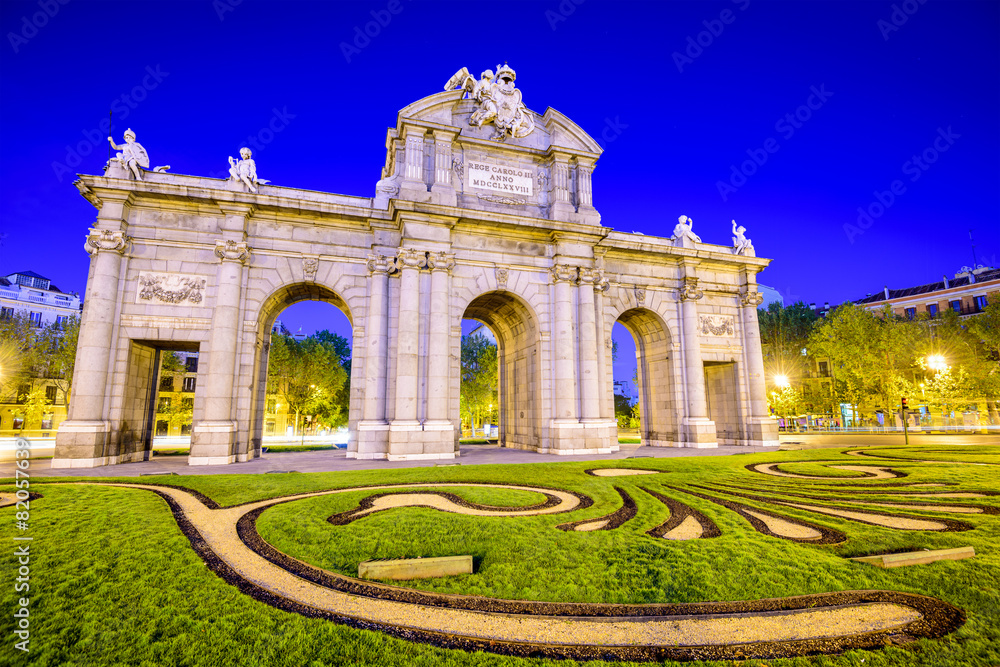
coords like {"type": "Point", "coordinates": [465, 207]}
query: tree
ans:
{"type": "Point", "coordinates": [59, 343]}
{"type": "Point", "coordinates": [784, 334]}
{"type": "Point", "coordinates": [308, 375]}
{"type": "Point", "coordinates": [479, 377]}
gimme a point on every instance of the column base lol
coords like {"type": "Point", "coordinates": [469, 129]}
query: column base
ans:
{"type": "Point", "coordinates": [413, 441]}
{"type": "Point", "coordinates": [372, 441]}
{"type": "Point", "coordinates": [212, 443]}
{"type": "Point", "coordinates": [570, 437]}
{"type": "Point", "coordinates": [762, 432]}
{"type": "Point", "coordinates": [81, 444]}
{"type": "Point", "coordinates": [699, 433]}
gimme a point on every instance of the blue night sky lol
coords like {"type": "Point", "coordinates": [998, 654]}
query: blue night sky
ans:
{"type": "Point", "coordinates": [903, 91]}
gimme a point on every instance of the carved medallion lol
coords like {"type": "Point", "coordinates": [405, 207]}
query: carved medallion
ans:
{"type": "Point", "coordinates": [640, 295]}
{"type": "Point", "coordinates": [310, 265]}
{"type": "Point", "coordinates": [502, 272]}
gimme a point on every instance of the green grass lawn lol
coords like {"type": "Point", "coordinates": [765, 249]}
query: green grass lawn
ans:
{"type": "Point", "coordinates": [115, 582]}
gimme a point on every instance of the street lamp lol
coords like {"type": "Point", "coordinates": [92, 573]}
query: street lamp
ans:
{"type": "Point", "coordinates": [937, 363]}
{"type": "Point", "coordinates": [781, 381]}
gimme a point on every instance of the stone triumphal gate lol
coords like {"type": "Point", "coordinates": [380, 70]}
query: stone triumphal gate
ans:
{"type": "Point", "coordinates": [484, 211]}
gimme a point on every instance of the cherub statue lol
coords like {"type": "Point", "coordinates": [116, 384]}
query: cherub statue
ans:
{"type": "Point", "coordinates": [741, 244]}
{"type": "Point", "coordinates": [132, 155]}
{"type": "Point", "coordinates": [683, 231]}
{"type": "Point", "coordinates": [244, 170]}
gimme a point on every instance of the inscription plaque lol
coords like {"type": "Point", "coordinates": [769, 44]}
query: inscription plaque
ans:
{"type": "Point", "coordinates": [500, 178]}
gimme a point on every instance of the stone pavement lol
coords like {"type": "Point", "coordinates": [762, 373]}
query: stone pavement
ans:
{"type": "Point", "coordinates": [334, 460]}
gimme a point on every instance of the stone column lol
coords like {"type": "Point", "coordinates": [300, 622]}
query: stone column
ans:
{"type": "Point", "coordinates": [762, 428]}
{"type": "Point", "coordinates": [438, 366]}
{"type": "Point", "coordinates": [700, 429]}
{"type": "Point", "coordinates": [214, 435]}
{"type": "Point", "coordinates": [590, 392]}
{"type": "Point", "coordinates": [414, 156]}
{"type": "Point", "coordinates": [81, 438]}
{"type": "Point", "coordinates": [564, 343]}
{"type": "Point", "coordinates": [585, 197]}
{"type": "Point", "coordinates": [562, 196]}
{"type": "Point", "coordinates": [373, 428]}
{"type": "Point", "coordinates": [603, 352]}
{"type": "Point", "coordinates": [404, 424]}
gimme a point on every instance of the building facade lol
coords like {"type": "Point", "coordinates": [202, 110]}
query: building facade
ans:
{"type": "Point", "coordinates": [484, 211]}
{"type": "Point", "coordinates": [968, 293]}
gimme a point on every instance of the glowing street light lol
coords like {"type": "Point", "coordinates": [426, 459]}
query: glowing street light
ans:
{"type": "Point", "coordinates": [781, 381]}
{"type": "Point", "coordinates": [937, 363]}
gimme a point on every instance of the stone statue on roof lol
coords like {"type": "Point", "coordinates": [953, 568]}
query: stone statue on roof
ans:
{"type": "Point", "coordinates": [245, 170]}
{"type": "Point", "coordinates": [683, 236]}
{"type": "Point", "coordinates": [499, 102]}
{"type": "Point", "coordinates": [741, 244]}
{"type": "Point", "coordinates": [133, 156]}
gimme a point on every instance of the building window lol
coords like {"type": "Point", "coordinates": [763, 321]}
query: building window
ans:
{"type": "Point", "coordinates": [980, 303]}
{"type": "Point", "coordinates": [956, 305]}
{"type": "Point", "coordinates": [18, 423]}
{"type": "Point", "coordinates": [6, 313]}
{"type": "Point", "coordinates": [192, 364]}
{"type": "Point", "coordinates": [824, 369]}
{"type": "Point", "coordinates": [61, 321]}
{"type": "Point", "coordinates": [911, 313]}
{"type": "Point", "coordinates": [164, 404]}
{"type": "Point", "coordinates": [50, 393]}
{"type": "Point", "coordinates": [189, 384]}
{"type": "Point", "coordinates": [167, 383]}
{"type": "Point", "coordinates": [185, 429]}
{"type": "Point", "coordinates": [47, 422]}
{"type": "Point", "coordinates": [162, 427]}
{"type": "Point", "coordinates": [272, 406]}
{"type": "Point", "coordinates": [269, 428]}
{"type": "Point", "coordinates": [187, 403]}
{"type": "Point", "coordinates": [36, 319]}
{"type": "Point", "coordinates": [932, 309]}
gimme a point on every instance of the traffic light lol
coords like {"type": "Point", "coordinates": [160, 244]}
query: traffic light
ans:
{"type": "Point", "coordinates": [904, 403]}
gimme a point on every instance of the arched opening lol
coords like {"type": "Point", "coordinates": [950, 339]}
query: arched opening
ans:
{"type": "Point", "coordinates": [301, 394]}
{"type": "Point", "coordinates": [625, 378]}
{"type": "Point", "coordinates": [515, 329]}
{"type": "Point", "coordinates": [654, 382]}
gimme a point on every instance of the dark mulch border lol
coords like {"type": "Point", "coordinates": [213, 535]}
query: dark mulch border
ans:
{"type": "Point", "coordinates": [678, 512]}
{"type": "Point", "coordinates": [31, 496]}
{"type": "Point", "coordinates": [863, 475]}
{"type": "Point", "coordinates": [861, 452]}
{"type": "Point", "coordinates": [344, 518]}
{"type": "Point", "coordinates": [827, 535]}
{"type": "Point", "coordinates": [616, 519]}
{"type": "Point", "coordinates": [951, 525]}
{"type": "Point", "coordinates": [986, 509]}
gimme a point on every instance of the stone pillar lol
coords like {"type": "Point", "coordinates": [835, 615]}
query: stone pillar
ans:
{"type": "Point", "coordinates": [564, 343]}
{"type": "Point", "coordinates": [438, 366]}
{"type": "Point", "coordinates": [700, 430]}
{"type": "Point", "coordinates": [604, 379]}
{"type": "Point", "coordinates": [373, 428]}
{"type": "Point", "coordinates": [81, 439]}
{"type": "Point", "coordinates": [414, 156]}
{"type": "Point", "coordinates": [590, 390]}
{"type": "Point", "coordinates": [442, 166]}
{"type": "Point", "coordinates": [562, 194]}
{"type": "Point", "coordinates": [404, 430]}
{"type": "Point", "coordinates": [762, 428]}
{"type": "Point", "coordinates": [213, 436]}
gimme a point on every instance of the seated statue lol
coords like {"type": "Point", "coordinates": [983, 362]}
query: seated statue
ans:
{"type": "Point", "coordinates": [244, 170]}
{"type": "Point", "coordinates": [741, 244]}
{"type": "Point", "coordinates": [682, 231]}
{"type": "Point", "coordinates": [132, 155]}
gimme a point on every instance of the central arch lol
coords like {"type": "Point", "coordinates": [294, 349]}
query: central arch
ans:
{"type": "Point", "coordinates": [658, 409]}
{"type": "Point", "coordinates": [273, 306]}
{"type": "Point", "coordinates": [516, 329]}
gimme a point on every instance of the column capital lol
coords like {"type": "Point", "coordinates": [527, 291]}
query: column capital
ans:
{"type": "Point", "coordinates": [408, 258]}
{"type": "Point", "coordinates": [379, 263]}
{"type": "Point", "coordinates": [689, 289]}
{"type": "Point", "coordinates": [751, 298]}
{"type": "Point", "coordinates": [564, 273]}
{"type": "Point", "coordinates": [596, 278]}
{"type": "Point", "coordinates": [232, 251]}
{"type": "Point", "coordinates": [441, 261]}
{"type": "Point", "coordinates": [107, 239]}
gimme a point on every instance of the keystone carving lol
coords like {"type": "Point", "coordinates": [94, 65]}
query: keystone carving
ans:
{"type": "Point", "coordinates": [232, 251]}
{"type": "Point", "coordinates": [310, 265]}
{"type": "Point", "coordinates": [106, 239]}
{"type": "Point", "coordinates": [502, 273]}
{"type": "Point", "coordinates": [640, 295]}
